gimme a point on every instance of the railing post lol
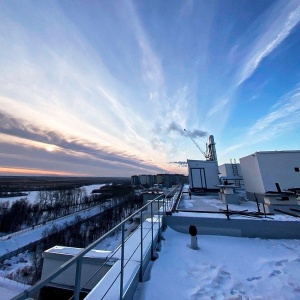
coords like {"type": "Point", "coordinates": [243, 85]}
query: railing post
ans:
{"type": "Point", "coordinates": [152, 252]}
{"type": "Point", "coordinates": [158, 215]}
{"type": "Point", "coordinates": [164, 213]}
{"type": "Point", "coordinates": [158, 246]}
{"type": "Point", "coordinates": [122, 261]}
{"type": "Point", "coordinates": [141, 265]}
{"type": "Point", "coordinates": [77, 279]}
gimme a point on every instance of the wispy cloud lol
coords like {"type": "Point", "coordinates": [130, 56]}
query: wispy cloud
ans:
{"type": "Point", "coordinates": [283, 117]}
{"type": "Point", "coordinates": [152, 71]}
{"type": "Point", "coordinates": [277, 25]}
{"type": "Point", "coordinates": [187, 8]}
{"type": "Point", "coordinates": [63, 91]}
{"type": "Point", "coordinates": [219, 106]}
{"type": "Point", "coordinates": [70, 148]}
{"type": "Point", "coordinates": [268, 32]}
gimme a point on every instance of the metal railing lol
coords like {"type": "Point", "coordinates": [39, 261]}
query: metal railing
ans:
{"type": "Point", "coordinates": [52, 221]}
{"type": "Point", "coordinates": [164, 204]}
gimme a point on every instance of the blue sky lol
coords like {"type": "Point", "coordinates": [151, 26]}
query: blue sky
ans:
{"type": "Point", "coordinates": [105, 88]}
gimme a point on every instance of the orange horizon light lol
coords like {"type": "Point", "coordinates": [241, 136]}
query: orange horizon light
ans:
{"type": "Point", "coordinates": [23, 171]}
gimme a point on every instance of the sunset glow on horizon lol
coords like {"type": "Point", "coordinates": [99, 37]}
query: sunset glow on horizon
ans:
{"type": "Point", "coordinates": [35, 172]}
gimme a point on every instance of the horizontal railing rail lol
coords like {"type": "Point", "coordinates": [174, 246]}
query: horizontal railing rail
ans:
{"type": "Point", "coordinates": [8, 236]}
{"type": "Point", "coordinates": [77, 259]}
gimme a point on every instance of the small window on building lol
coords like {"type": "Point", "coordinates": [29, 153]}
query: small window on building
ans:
{"type": "Point", "coordinates": [297, 169]}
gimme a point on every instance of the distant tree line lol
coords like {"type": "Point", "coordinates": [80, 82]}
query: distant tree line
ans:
{"type": "Point", "coordinates": [12, 184]}
{"type": "Point", "coordinates": [80, 233]}
{"type": "Point", "coordinates": [83, 232]}
{"type": "Point", "coordinates": [51, 205]}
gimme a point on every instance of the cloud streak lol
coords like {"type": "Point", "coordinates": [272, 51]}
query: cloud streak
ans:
{"type": "Point", "coordinates": [248, 52]}
{"type": "Point", "coordinates": [75, 98]}
{"type": "Point", "coordinates": [18, 132]}
{"type": "Point", "coordinates": [283, 117]}
{"type": "Point", "coordinates": [280, 22]}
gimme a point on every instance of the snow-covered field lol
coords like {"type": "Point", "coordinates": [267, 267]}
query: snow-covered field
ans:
{"type": "Point", "coordinates": [31, 195]}
{"type": "Point", "coordinates": [224, 268]}
{"type": "Point", "coordinates": [90, 188]}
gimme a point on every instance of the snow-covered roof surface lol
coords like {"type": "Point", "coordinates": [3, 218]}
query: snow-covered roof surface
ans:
{"type": "Point", "coordinates": [210, 202]}
{"type": "Point", "coordinates": [74, 251]}
{"type": "Point", "coordinates": [223, 268]}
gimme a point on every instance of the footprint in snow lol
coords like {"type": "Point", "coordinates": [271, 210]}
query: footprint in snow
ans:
{"type": "Point", "coordinates": [221, 278]}
{"type": "Point", "coordinates": [281, 262]}
{"type": "Point", "coordinates": [274, 273]}
{"type": "Point", "coordinates": [254, 278]}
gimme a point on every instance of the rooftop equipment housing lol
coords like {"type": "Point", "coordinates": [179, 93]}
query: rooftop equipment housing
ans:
{"type": "Point", "coordinates": [203, 175]}
{"type": "Point", "coordinates": [232, 173]}
{"type": "Point", "coordinates": [262, 170]}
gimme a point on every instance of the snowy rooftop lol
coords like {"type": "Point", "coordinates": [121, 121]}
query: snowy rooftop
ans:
{"type": "Point", "coordinates": [223, 268]}
{"type": "Point", "coordinates": [199, 204]}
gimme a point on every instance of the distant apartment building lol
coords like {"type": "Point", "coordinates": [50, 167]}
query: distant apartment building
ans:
{"type": "Point", "coordinates": [143, 179]}
{"type": "Point", "coordinates": [166, 180]}
{"type": "Point", "coordinates": [135, 180]}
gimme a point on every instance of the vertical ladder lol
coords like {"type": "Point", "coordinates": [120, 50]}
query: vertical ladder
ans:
{"type": "Point", "coordinates": [235, 172]}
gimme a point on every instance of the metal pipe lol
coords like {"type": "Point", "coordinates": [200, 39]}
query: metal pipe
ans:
{"type": "Point", "coordinates": [152, 252]}
{"type": "Point", "coordinates": [141, 263]}
{"type": "Point", "coordinates": [122, 262]}
{"type": "Point", "coordinates": [77, 279]}
{"type": "Point", "coordinates": [158, 214]}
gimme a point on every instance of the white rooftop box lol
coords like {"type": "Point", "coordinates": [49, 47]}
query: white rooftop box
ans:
{"type": "Point", "coordinates": [203, 174]}
{"type": "Point", "coordinates": [262, 170]}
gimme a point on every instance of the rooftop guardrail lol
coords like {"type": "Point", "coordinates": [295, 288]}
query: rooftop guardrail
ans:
{"type": "Point", "coordinates": [162, 206]}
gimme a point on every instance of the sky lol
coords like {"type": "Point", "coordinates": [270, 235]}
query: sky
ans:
{"type": "Point", "coordinates": [105, 88]}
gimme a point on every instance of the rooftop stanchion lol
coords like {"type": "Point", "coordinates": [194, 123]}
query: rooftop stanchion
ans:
{"type": "Point", "coordinates": [122, 262]}
{"type": "Point", "coordinates": [141, 264]}
{"type": "Point", "coordinates": [152, 252]}
{"type": "Point", "coordinates": [77, 279]}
